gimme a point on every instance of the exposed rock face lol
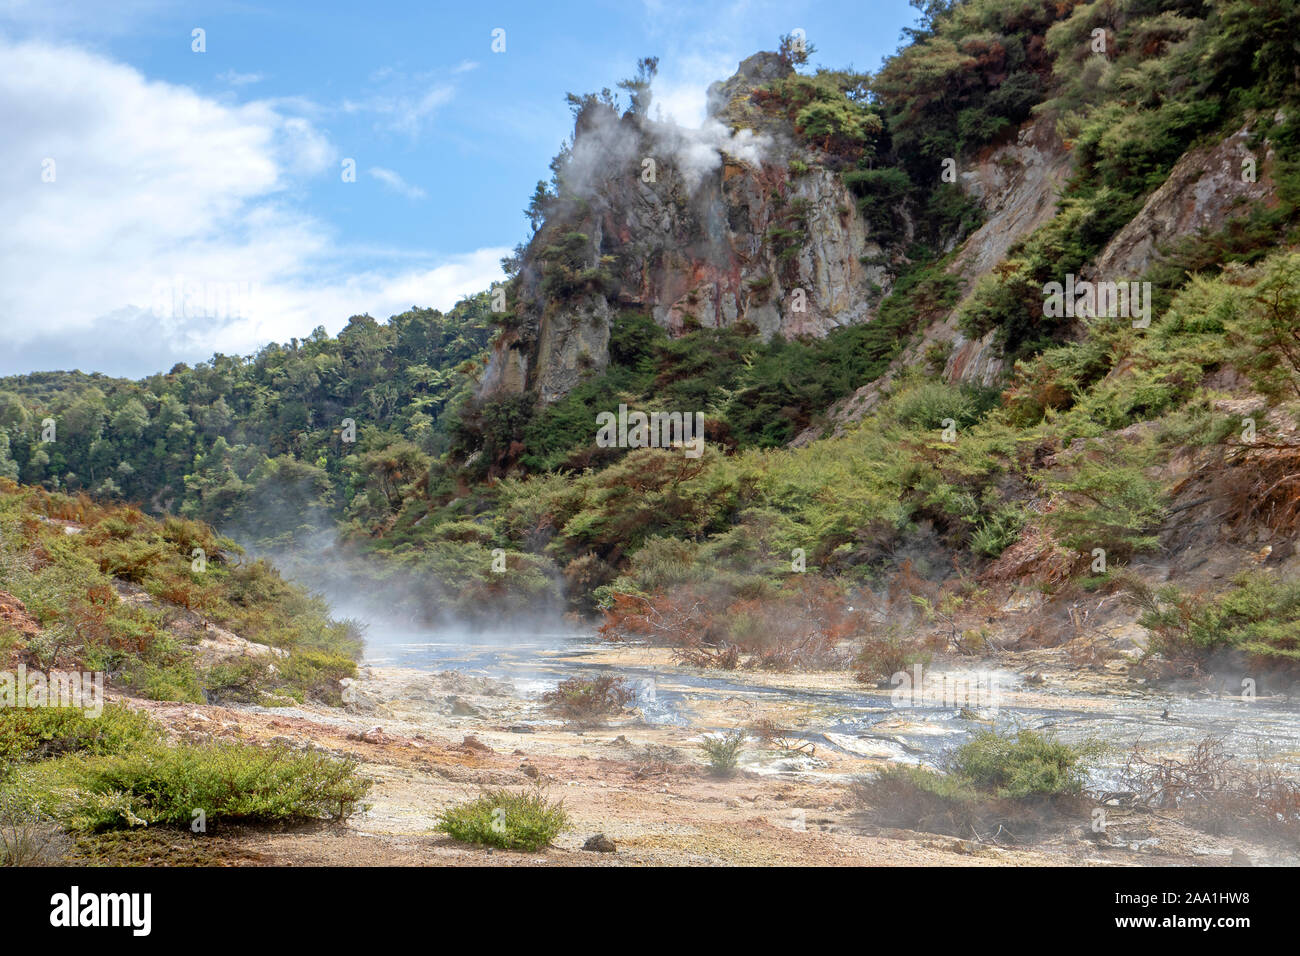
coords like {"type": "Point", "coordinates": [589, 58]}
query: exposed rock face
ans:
{"type": "Point", "coordinates": [710, 227]}
{"type": "Point", "coordinates": [699, 228]}
{"type": "Point", "coordinates": [1017, 184]}
{"type": "Point", "coordinates": [1205, 188]}
{"type": "Point", "coordinates": [753, 72]}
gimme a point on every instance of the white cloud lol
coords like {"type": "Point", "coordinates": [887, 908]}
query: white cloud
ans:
{"type": "Point", "coordinates": [404, 112]}
{"type": "Point", "coordinates": [464, 66]}
{"type": "Point", "coordinates": [395, 182]}
{"type": "Point", "coordinates": [82, 18]}
{"type": "Point", "coordinates": [239, 79]}
{"type": "Point", "coordinates": [158, 187]}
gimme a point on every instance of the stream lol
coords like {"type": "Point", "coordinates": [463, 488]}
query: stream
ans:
{"type": "Point", "coordinates": [862, 720]}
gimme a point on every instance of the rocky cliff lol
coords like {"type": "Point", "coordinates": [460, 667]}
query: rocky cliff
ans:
{"type": "Point", "coordinates": [1018, 185]}
{"type": "Point", "coordinates": [700, 227]}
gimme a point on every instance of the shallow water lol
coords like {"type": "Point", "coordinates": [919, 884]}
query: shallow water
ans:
{"type": "Point", "coordinates": [863, 720]}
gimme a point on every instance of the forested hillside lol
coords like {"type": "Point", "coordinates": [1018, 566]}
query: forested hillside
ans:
{"type": "Point", "coordinates": [264, 435]}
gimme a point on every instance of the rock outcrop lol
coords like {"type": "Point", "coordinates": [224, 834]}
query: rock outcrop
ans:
{"type": "Point", "coordinates": [1206, 188]}
{"type": "Point", "coordinates": [1017, 184]}
{"type": "Point", "coordinates": [697, 228]}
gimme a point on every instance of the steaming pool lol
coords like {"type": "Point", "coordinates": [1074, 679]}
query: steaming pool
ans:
{"type": "Point", "coordinates": [831, 711]}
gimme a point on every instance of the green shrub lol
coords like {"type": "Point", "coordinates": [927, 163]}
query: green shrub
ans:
{"type": "Point", "coordinates": [929, 404]}
{"type": "Point", "coordinates": [1107, 503]}
{"type": "Point", "coordinates": [1028, 764]}
{"type": "Point", "coordinates": [1001, 784]}
{"type": "Point", "coordinates": [173, 680]}
{"type": "Point", "coordinates": [1258, 619]}
{"type": "Point", "coordinates": [235, 783]}
{"type": "Point", "coordinates": [528, 820]}
{"type": "Point", "coordinates": [723, 750]}
{"type": "Point", "coordinates": [240, 679]}
{"type": "Point", "coordinates": [316, 674]}
{"type": "Point", "coordinates": [36, 733]}
{"type": "Point", "coordinates": [996, 532]}
{"type": "Point", "coordinates": [880, 194]}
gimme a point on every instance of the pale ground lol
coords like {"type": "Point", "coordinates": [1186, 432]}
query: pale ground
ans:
{"type": "Point", "coordinates": [432, 739]}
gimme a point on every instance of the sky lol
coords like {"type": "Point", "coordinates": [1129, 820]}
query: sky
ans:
{"type": "Point", "coordinates": [166, 194]}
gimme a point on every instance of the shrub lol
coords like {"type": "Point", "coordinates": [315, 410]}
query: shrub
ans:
{"type": "Point", "coordinates": [883, 657]}
{"type": "Point", "coordinates": [1002, 784]}
{"type": "Point", "coordinates": [174, 680]}
{"type": "Point", "coordinates": [723, 750]}
{"type": "Point", "coordinates": [581, 698]}
{"type": "Point", "coordinates": [928, 404]}
{"type": "Point", "coordinates": [317, 674]}
{"type": "Point", "coordinates": [1257, 620]}
{"type": "Point", "coordinates": [1028, 764]}
{"type": "Point", "coordinates": [996, 532]}
{"type": "Point", "coordinates": [880, 194]}
{"type": "Point", "coordinates": [234, 783]}
{"type": "Point", "coordinates": [917, 797]}
{"type": "Point", "coordinates": [241, 679]}
{"type": "Point", "coordinates": [528, 820]}
{"type": "Point", "coordinates": [1105, 503]}
{"type": "Point", "coordinates": [799, 625]}
{"type": "Point", "coordinates": [40, 732]}
{"type": "Point", "coordinates": [28, 840]}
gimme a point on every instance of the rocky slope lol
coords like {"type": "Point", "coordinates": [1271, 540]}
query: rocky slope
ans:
{"type": "Point", "coordinates": [1018, 185]}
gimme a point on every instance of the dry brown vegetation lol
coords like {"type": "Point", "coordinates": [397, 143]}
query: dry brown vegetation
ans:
{"type": "Point", "coordinates": [1218, 792]}
{"type": "Point", "coordinates": [586, 698]}
{"type": "Point", "coordinates": [804, 626]}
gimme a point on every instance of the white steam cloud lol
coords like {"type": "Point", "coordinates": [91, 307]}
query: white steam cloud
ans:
{"type": "Point", "coordinates": [697, 153]}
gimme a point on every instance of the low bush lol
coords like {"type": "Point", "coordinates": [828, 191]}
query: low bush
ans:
{"type": "Point", "coordinates": [28, 840]}
{"type": "Point", "coordinates": [233, 783]}
{"type": "Point", "coordinates": [583, 698]}
{"type": "Point", "coordinates": [801, 625]}
{"type": "Point", "coordinates": [238, 679]}
{"type": "Point", "coordinates": [723, 750]}
{"type": "Point", "coordinates": [316, 674]}
{"type": "Point", "coordinates": [996, 785]}
{"type": "Point", "coordinates": [1109, 503]}
{"type": "Point", "coordinates": [37, 733]}
{"type": "Point", "coordinates": [527, 820]}
{"type": "Point", "coordinates": [882, 657]}
{"type": "Point", "coordinates": [1256, 622]}
{"type": "Point", "coordinates": [1028, 764]}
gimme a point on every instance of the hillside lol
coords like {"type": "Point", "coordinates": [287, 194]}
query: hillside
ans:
{"type": "Point", "coordinates": [847, 275]}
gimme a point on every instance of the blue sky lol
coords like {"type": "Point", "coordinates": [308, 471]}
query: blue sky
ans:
{"type": "Point", "coordinates": [164, 203]}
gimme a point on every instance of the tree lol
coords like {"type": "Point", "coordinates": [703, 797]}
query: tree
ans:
{"type": "Point", "coordinates": [793, 50]}
{"type": "Point", "coordinates": [8, 467]}
{"type": "Point", "coordinates": [638, 86]}
{"type": "Point", "coordinates": [130, 421]}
